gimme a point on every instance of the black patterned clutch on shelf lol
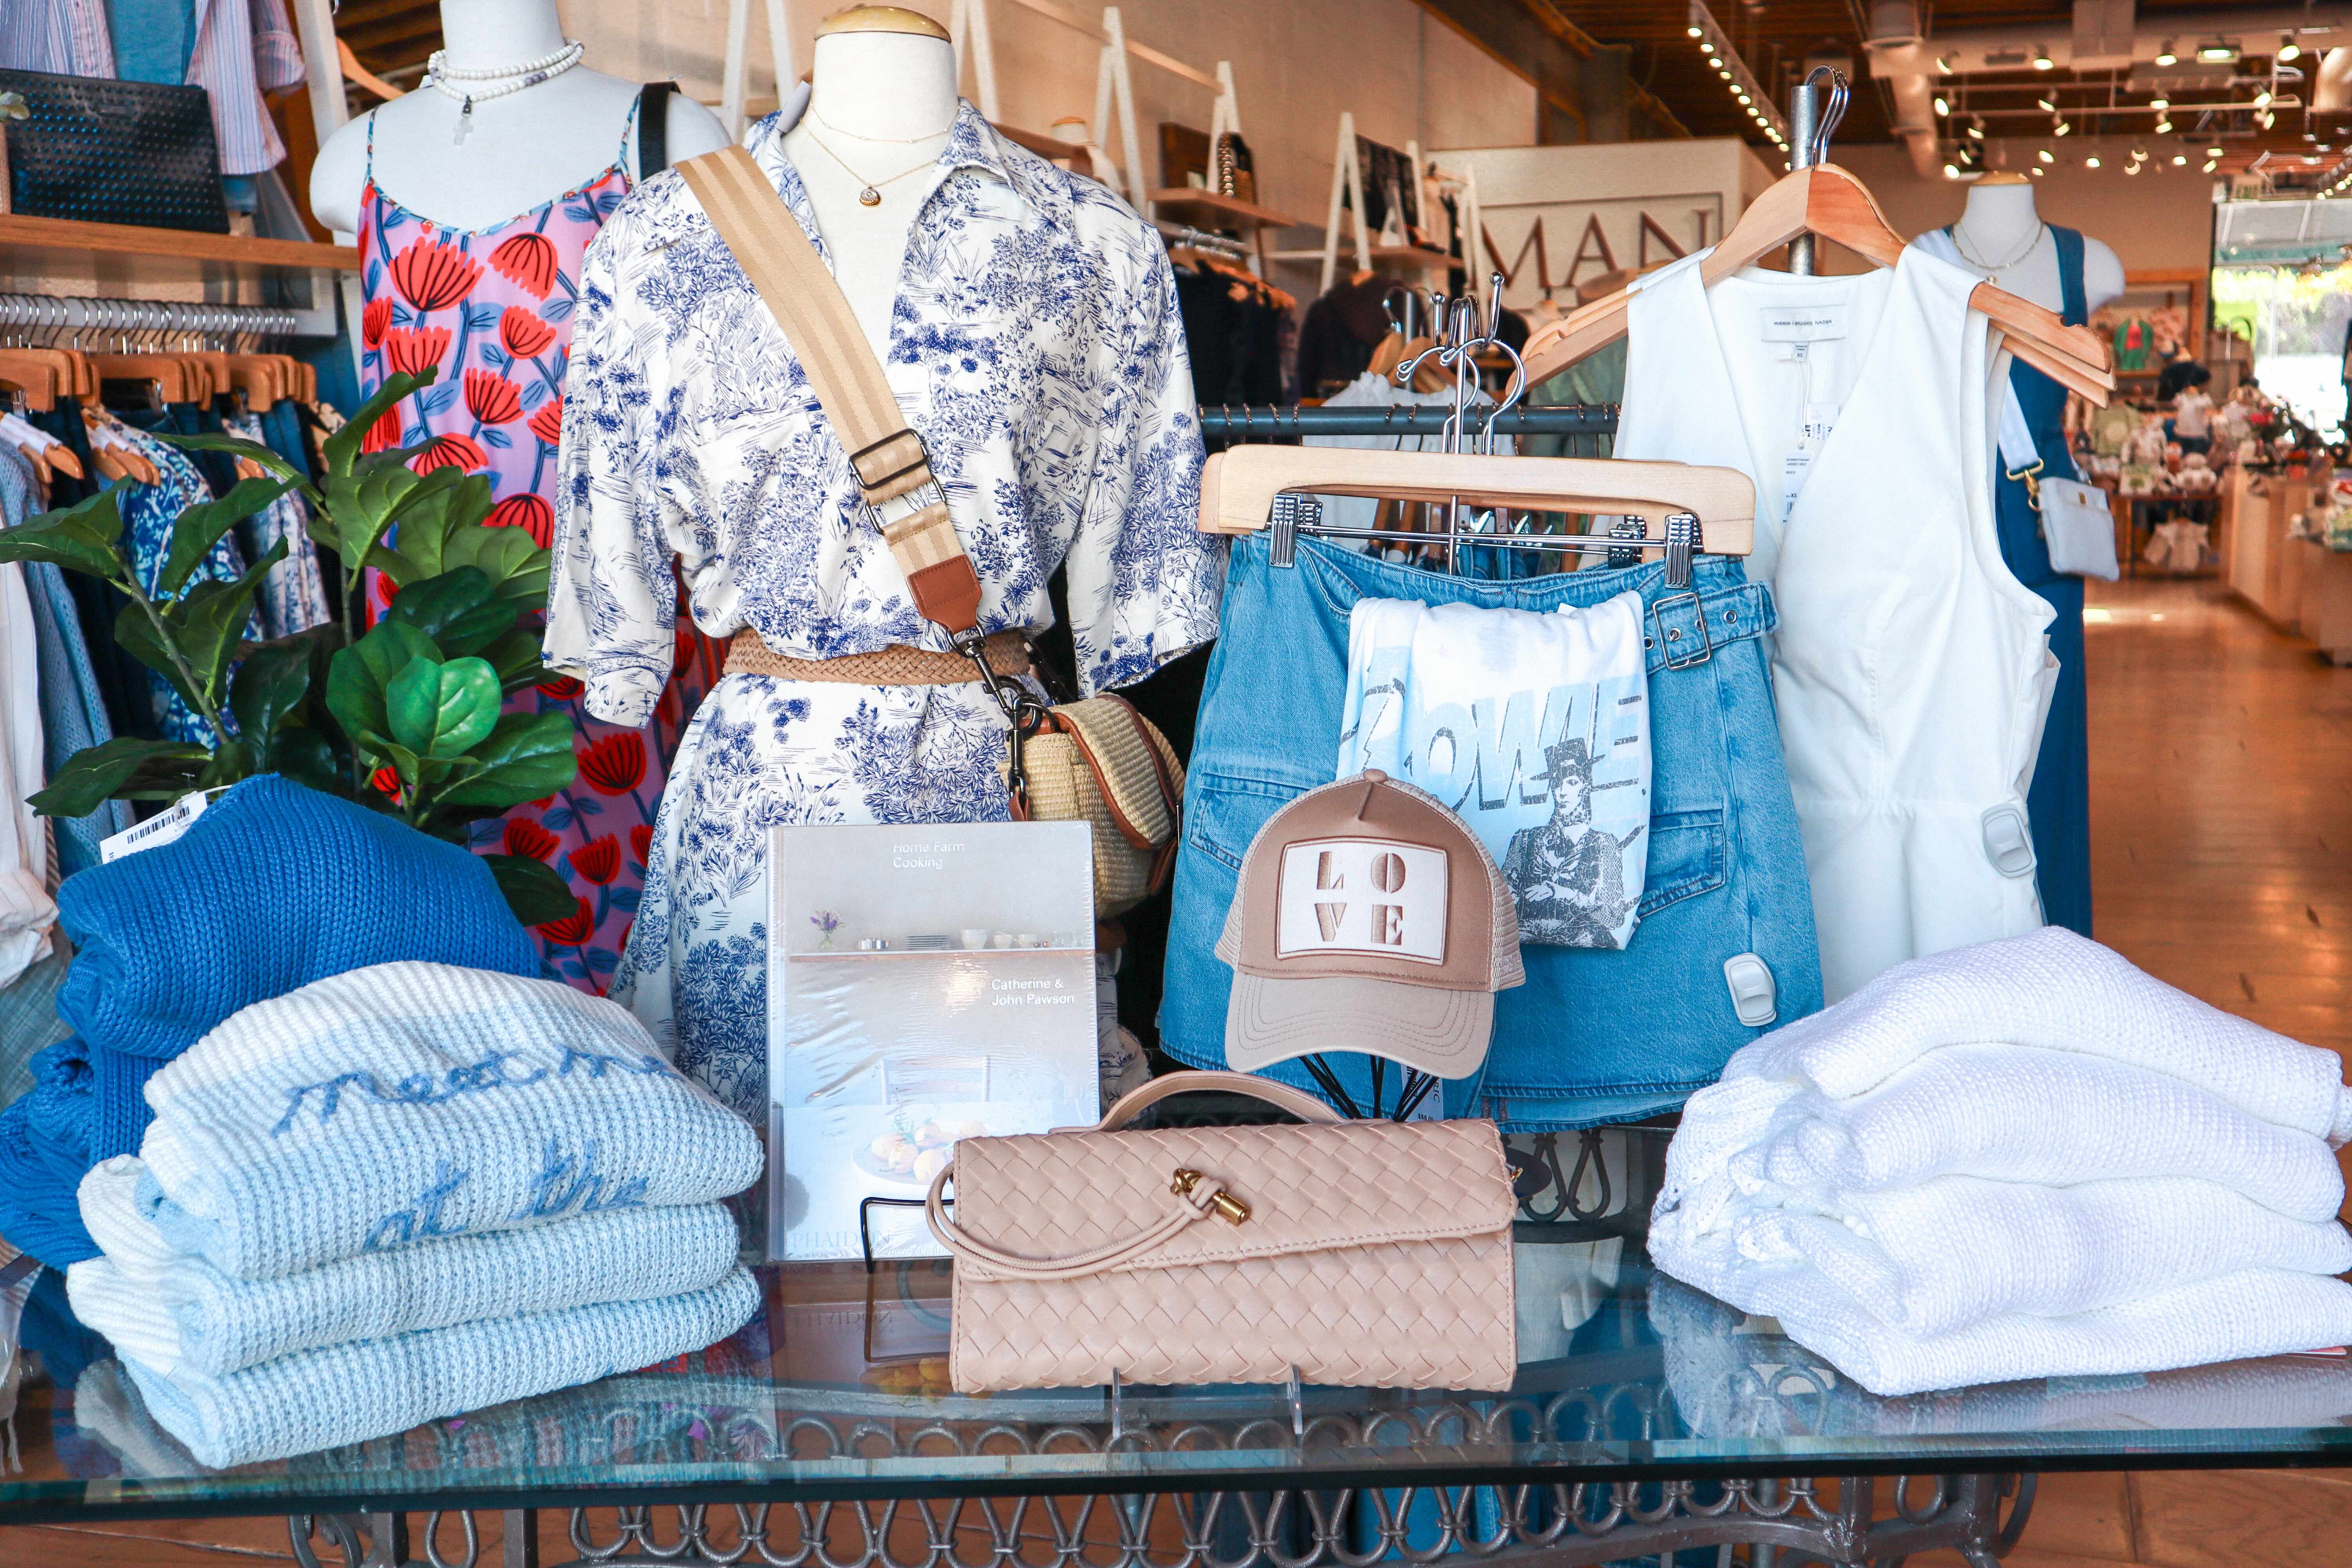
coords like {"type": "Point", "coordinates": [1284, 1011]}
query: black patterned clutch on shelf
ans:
{"type": "Point", "coordinates": [113, 151]}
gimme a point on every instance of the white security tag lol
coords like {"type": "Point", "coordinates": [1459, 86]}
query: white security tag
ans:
{"type": "Point", "coordinates": [1755, 998]}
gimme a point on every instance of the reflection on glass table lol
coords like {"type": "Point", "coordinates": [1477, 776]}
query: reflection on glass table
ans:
{"type": "Point", "coordinates": [839, 1389]}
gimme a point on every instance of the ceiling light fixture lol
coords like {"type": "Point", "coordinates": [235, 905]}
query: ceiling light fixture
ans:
{"type": "Point", "coordinates": [2165, 57]}
{"type": "Point", "coordinates": [2044, 105]}
{"type": "Point", "coordinates": [1943, 106]}
{"type": "Point", "coordinates": [2062, 129]}
{"type": "Point", "coordinates": [2212, 164]}
{"type": "Point", "coordinates": [2263, 98]}
{"type": "Point", "coordinates": [1695, 31]}
{"type": "Point", "coordinates": [2035, 171]}
{"type": "Point", "coordinates": [2046, 155]}
{"type": "Point", "coordinates": [2288, 49]}
{"type": "Point", "coordinates": [2212, 151]}
{"type": "Point", "coordinates": [1976, 130]}
{"type": "Point", "coordinates": [1943, 64]}
{"type": "Point", "coordinates": [2164, 126]}
{"type": "Point", "coordinates": [2042, 61]}
{"type": "Point", "coordinates": [2092, 162]}
{"type": "Point", "coordinates": [2160, 103]}
{"type": "Point", "coordinates": [2217, 53]}
{"type": "Point", "coordinates": [1707, 48]}
{"type": "Point", "coordinates": [1951, 171]}
{"type": "Point", "coordinates": [2179, 159]}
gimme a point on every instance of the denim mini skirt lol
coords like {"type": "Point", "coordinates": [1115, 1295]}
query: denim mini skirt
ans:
{"type": "Point", "coordinates": [1595, 1035]}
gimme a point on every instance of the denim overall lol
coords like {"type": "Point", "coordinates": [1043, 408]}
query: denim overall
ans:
{"type": "Point", "coordinates": [1594, 1036]}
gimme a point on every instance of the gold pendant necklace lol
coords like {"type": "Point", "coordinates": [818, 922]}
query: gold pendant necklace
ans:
{"type": "Point", "coordinates": [870, 195]}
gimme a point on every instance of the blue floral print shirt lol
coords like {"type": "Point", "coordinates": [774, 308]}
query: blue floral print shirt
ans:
{"type": "Point", "coordinates": [1034, 345]}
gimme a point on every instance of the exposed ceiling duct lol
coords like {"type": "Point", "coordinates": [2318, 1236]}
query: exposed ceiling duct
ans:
{"type": "Point", "coordinates": [2106, 35]}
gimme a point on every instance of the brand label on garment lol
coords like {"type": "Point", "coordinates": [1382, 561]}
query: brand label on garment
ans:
{"type": "Point", "coordinates": [1803, 324]}
{"type": "Point", "coordinates": [1361, 895]}
{"type": "Point", "coordinates": [159, 829]}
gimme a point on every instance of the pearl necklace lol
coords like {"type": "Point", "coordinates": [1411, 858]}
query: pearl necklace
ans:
{"type": "Point", "coordinates": [439, 74]}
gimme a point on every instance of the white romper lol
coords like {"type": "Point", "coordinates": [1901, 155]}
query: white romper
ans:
{"type": "Point", "coordinates": [1911, 669]}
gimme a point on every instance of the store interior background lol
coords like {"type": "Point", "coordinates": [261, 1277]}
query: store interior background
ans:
{"type": "Point", "coordinates": [2222, 732]}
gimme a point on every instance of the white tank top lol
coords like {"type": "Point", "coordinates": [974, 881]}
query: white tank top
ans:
{"type": "Point", "coordinates": [1911, 669]}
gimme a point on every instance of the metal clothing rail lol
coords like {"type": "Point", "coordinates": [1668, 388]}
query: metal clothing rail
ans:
{"type": "Point", "coordinates": [1182, 234]}
{"type": "Point", "coordinates": [1282, 422]}
{"type": "Point", "coordinates": [104, 320]}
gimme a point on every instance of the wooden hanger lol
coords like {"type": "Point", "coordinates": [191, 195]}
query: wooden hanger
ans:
{"type": "Point", "coordinates": [36, 378]}
{"type": "Point", "coordinates": [1395, 349]}
{"type": "Point", "coordinates": [1827, 201]}
{"type": "Point", "coordinates": [1238, 487]}
{"type": "Point", "coordinates": [168, 372]}
{"type": "Point", "coordinates": [72, 367]}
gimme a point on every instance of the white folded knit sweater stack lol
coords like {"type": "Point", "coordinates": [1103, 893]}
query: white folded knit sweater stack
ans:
{"type": "Point", "coordinates": [2023, 1159]}
{"type": "Point", "coordinates": [406, 1193]}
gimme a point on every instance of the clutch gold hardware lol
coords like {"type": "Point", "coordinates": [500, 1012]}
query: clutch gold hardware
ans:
{"type": "Point", "coordinates": [1231, 1210]}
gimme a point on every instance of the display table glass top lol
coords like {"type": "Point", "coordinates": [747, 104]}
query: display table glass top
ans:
{"type": "Point", "coordinates": [839, 1389]}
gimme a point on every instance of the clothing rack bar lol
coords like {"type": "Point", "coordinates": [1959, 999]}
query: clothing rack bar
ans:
{"type": "Point", "coordinates": [100, 318]}
{"type": "Point", "coordinates": [1573, 544]}
{"type": "Point", "coordinates": [1267, 421]}
{"type": "Point", "coordinates": [1183, 234]}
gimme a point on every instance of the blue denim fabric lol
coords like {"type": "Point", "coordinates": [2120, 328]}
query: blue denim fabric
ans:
{"type": "Point", "coordinates": [1594, 1036]}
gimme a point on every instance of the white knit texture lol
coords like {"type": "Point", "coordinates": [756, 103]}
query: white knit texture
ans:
{"type": "Point", "coordinates": [406, 1102]}
{"type": "Point", "coordinates": [372, 1388]}
{"type": "Point", "coordinates": [2064, 992]}
{"type": "Point", "coordinates": [176, 1314]}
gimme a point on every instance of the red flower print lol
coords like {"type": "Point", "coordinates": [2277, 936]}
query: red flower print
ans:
{"type": "Point", "coordinates": [433, 277]}
{"type": "Point", "coordinates": [450, 452]}
{"type": "Point", "coordinates": [527, 512]}
{"type": "Point", "coordinates": [384, 435]}
{"type": "Point", "coordinates": [575, 928]}
{"type": "Point", "coordinates": [524, 333]}
{"type": "Point", "coordinates": [599, 860]}
{"type": "Point", "coordinates": [386, 780]}
{"type": "Point", "coordinates": [492, 398]}
{"type": "Point", "coordinates": [373, 319]}
{"type": "Point", "coordinates": [526, 838]}
{"type": "Point", "coordinates": [616, 763]}
{"type": "Point", "coordinates": [547, 423]}
{"type": "Point", "coordinates": [641, 841]}
{"type": "Point", "coordinates": [412, 350]}
{"type": "Point", "coordinates": [527, 261]}
{"type": "Point", "coordinates": [562, 689]}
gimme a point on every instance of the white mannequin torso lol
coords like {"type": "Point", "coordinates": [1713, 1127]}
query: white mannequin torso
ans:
{"type": "Point", "coordinates": [522, 150]}
{"type": "Point", "coordinates": [881, 104]}
{"type": "Point", "coordinates": [1995, 226]}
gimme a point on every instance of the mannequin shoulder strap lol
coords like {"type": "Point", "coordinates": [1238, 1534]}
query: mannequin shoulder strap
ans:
{"type": "Point", "coordinates": [653, 128]}
{"type": "Point", "coordinates": [888, 457]}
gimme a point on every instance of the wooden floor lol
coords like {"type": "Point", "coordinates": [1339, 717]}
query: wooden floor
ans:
{"type": "Point", "coordinates": [2221, 799]}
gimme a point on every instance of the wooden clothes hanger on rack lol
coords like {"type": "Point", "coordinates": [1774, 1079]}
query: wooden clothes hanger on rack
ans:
{"type": "Point", "coordinates": [1828, 201]}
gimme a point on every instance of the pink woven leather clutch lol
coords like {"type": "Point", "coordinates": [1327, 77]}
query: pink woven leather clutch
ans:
{"type": "Point", "coordinates": [1372, 1254]}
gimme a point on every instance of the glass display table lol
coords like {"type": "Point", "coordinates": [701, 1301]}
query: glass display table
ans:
{"type": "Point", "coordinates": [1645, 1418]}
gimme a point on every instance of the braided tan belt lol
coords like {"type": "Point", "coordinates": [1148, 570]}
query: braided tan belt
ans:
{"type": "Point", "coordinates": [898, 665]}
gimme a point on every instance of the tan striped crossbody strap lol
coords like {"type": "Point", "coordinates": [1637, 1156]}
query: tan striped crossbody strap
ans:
{"type": "Point", "coordinates": [888, 457]}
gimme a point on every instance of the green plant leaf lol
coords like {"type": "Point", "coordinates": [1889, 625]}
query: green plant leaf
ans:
{"type": "Point", "coordinates": [81, 538]}
{"type": "Point", "coordinates": [232, 761]}
{"type": "Point", "coordinates": [199, 528]}
{"type": "Point", "coordinates": [235, 446]}
{"type": "Point", "coordinates": [516, 658]}
{"type": "Point", "coordinates": [125, 767]}
{"type": "Point", "coordinates": [211, 619]}
{"type": "Point", "coordinates": [533, 891]}
{"type": "Point", "coordinates": [460, 610]}
{"type": "Point", "coordinates": [357, 675]}
{"type": "Point", "coordinates": [308, 757]}
{"type": "Point", "coordinates": [446, 504]}
{"type": "Point", "coordinates": [440, 710]}
{"type": "Point", "coordinates": [525, 757]}
{"type": "Point", "coordinates": [268, 693]}
{"type": "Point", "coordinates": [508, 557]}
{"type": "Point", "coordinates": [343, 445]}
{"type": "Point", "coordinates": [135, 633]}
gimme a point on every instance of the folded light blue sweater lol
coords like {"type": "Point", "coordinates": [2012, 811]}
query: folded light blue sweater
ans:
{"type": "Point", "coordinates": [407, 1101]}
{"type": "Point", "coordinates": [372, 1388]}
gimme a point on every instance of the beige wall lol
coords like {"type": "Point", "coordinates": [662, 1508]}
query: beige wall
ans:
{"type": "Point", "coordinates": [1405, 75]}
{"type": "Point", "coordinates": [2160, 219]}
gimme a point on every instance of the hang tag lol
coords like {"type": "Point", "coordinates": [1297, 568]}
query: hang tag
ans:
{"type": "Point", "coordinates": [159, 829]}
{"type": "Point", "coordinates": [1803, 324]}
{"type": "Point", "coordinates": [1795, 467]}
{"type": "Point", "coordinates": [1819, 420]}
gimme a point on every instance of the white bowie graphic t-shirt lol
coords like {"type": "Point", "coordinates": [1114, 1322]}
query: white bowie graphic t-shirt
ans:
{"type": "Point", "coordinates": [1533, 729]}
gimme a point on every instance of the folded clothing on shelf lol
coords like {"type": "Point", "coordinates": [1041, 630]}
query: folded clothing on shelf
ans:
{"type": "Point", "coordinates": [406, 1102]}
{"type": "Point", "coordinates": [2126, 1181]}
{"type": "Point", "coordinates": [44, 1150]}
{"type": "Point", "coordinates": [177, 1315]}
{"type": "Point", "coordinates": [350, 1392]}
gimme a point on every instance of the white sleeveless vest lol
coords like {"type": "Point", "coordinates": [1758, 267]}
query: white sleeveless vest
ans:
{"type": "Point", "coordinates": [1911, 671]}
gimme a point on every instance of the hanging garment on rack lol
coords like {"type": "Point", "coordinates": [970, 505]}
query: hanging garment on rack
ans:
{"type": "Point", "coordinates": [493, 310]}
{"type": "Point", "coordinates": [122, 679]}
{"type": "Point", "coordinates": [294, 595]}
{"type": "Point", "coordinates": [1533, 729]}
{"type": "Point", "coordinates": [2058, 803]}
{"type": "Point", "coordinates": [1594, 1036]}
{"type": "Point", "coordinates": [27, 911]}
{"type": "Point", "coordinates": [1233, 331]}
{"type": "Point", "coordinates": [1341, 330]}
{"type": "Point", "coordinates": [1038, 350]}
{"type": "Point", "coordinates": [148, 513]}
{"type": "Point", "coordinates": [235, 49]}
{"type": "Point", "coordinates": [1911, 669]}
{"type": "Point", "coordinates": [63, 38]}
{"type": "Point", "coordinates": [73, 711]}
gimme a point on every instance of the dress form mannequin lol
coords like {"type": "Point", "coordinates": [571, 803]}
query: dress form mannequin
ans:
{"type": "Point", "coordinates": [522, 149]}
{"type": "Point", "coordinates": [1994, 228]}
{"type": "Point", "coordinates": [882, 103]}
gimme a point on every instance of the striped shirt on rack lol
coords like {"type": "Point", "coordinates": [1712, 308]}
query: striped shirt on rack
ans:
{"type": "Point", "coordinates": [65, 38]}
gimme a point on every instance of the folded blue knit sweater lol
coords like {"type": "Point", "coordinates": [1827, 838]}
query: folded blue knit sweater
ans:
{"type": "Point", "coordinates": [274, 886]}
{"type": "Point", "coordinates": [44, 1151]}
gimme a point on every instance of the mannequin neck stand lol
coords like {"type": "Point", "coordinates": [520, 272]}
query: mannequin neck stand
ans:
{"type": "Point", "coordinates": [881, 108]}
{"type": "Point", "coordinates": [484, 35]}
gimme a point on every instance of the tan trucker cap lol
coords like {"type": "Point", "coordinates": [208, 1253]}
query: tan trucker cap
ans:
{"type": "Point", "coordinates": [1368, 919]}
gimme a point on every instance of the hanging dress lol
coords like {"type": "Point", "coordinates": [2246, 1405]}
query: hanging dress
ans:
{"type": "Point", "coordinates": [1911, 668]}
{"type": "Point", "coordinates": [2060, 801]}
{"type": "Point", "coordinates": [492, 309]}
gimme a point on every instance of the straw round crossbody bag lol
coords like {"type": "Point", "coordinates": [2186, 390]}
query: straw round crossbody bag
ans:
{"type": "Point", "coordinates": [1368, 1254]}
{"type": "Point", "coordinates": [1096, 761]}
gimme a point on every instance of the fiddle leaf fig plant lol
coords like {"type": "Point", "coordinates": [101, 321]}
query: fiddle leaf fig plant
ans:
{"type": "Point", "coordinates": [403, 716]}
